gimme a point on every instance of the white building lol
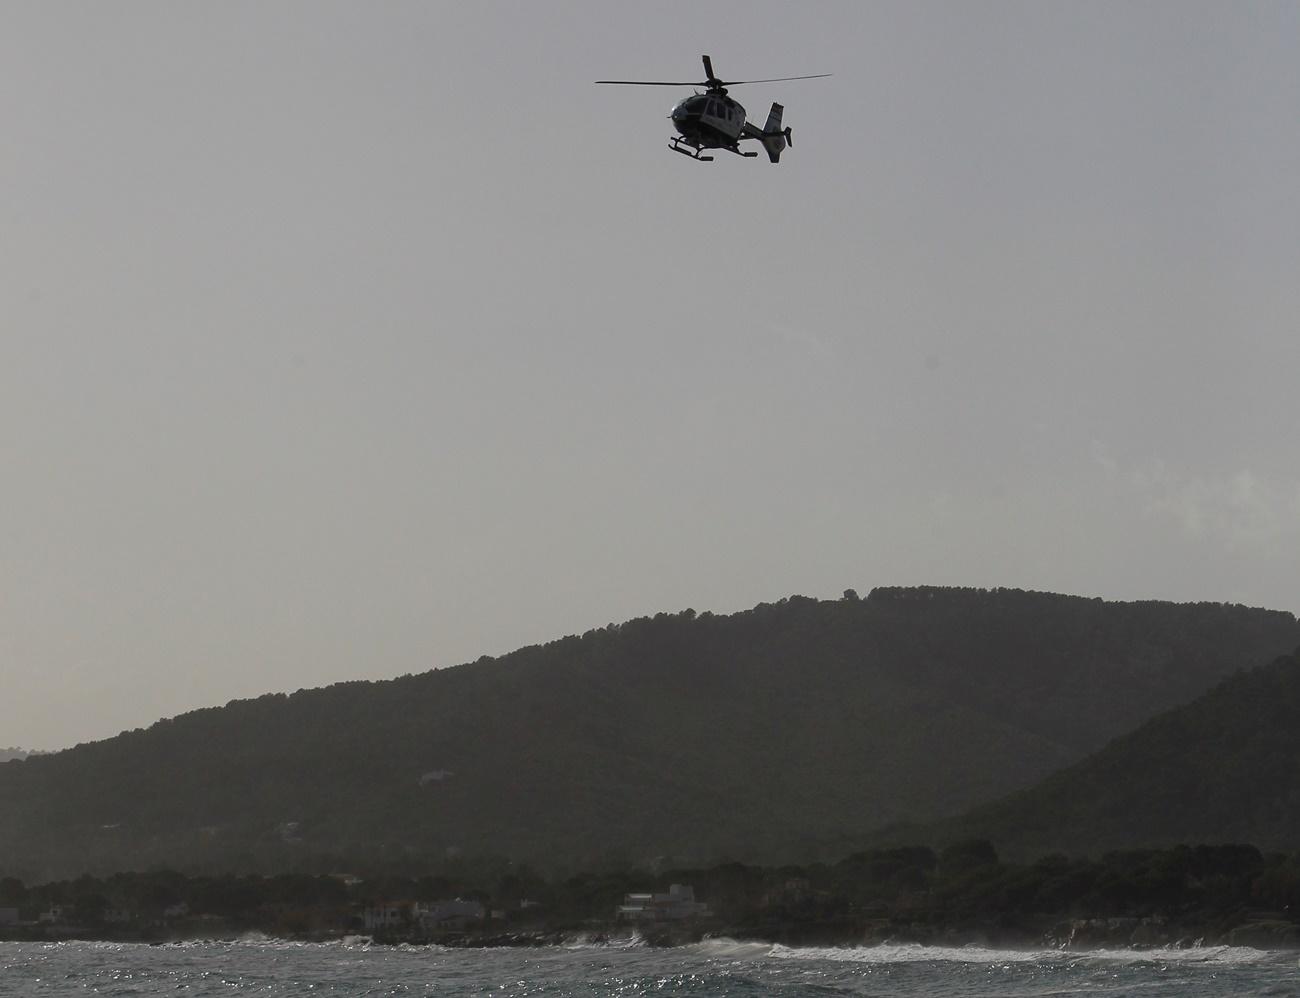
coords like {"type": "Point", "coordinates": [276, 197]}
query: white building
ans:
{"type": "Point", "coordinates": [387, 915]}
{"type": "Point", "coordinates": [449, 914]}
{"type": "Point", "coordinates": [679, 903]}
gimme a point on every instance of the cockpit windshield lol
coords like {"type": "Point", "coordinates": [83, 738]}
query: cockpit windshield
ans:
{"type": "Point", "coordinates": [691, 107]}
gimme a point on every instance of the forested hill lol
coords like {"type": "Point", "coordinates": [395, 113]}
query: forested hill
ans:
{"type": "Point", "coordinates": [6, 754]}
{"type": "Point", "coordinates": [752, 736]}
{"type": "Point", "coordinates": [1220, 769]}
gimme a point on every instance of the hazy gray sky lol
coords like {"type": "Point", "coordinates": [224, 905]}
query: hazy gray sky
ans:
{"type": "Point", "coordinates": [348, 340]}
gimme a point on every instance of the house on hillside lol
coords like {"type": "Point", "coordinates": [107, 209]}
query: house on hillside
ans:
{"type": "Point", "coordinates": [455, 914]}
{"type": "Point", "coordinates": [793, 891]}
{"type": "Point", "coordinates": [676, 905]}
{"type": "Point", "coordinates": [387, 915]}
{"type": "Point", "coordinates": [180, 909]}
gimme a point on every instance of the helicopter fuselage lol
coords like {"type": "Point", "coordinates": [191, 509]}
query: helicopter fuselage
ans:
{"type": "Point", "coordinates": [709, 120]}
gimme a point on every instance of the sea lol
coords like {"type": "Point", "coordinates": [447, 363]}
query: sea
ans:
{"type": "Point", "coordinates": [267, 968]}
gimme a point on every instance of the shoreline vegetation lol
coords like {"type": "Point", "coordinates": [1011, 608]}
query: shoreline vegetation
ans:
{"type": "Point", "coordinates": [963, 895]}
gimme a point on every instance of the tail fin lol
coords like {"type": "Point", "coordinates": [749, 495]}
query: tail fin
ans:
{"type": "Point", "coordinates": [774, 140]}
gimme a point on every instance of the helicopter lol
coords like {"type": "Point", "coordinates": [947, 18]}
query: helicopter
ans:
{"type": "Point", "coordinates": [713, 120]}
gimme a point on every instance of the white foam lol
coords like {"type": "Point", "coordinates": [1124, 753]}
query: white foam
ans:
{"type": "Point", "coordinates": [913, 953]}
{"type": "Point", "coordinates": [724, 948]}
{"type": "Point", "coordinates": [889, 953]}
{"type": "Point", "coordinates": [1228, 955]}
{"type": "Point", "coordinates": [584, 940]}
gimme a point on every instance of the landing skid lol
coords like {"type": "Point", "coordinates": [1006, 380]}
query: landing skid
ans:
{"type": "Point", "coordinates": [686, 149]}
{"type": "Point", "coordinates": [678, 144]}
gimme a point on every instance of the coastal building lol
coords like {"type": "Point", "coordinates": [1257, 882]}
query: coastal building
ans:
{"type": "Point", "coordinates": [426, 915]}
{"type": "Point", "coordinates": [387, 915]}
{"type": "Point", "coordinates": [793, 891]}
{"type": "Point", "coordinates": [637, 906]}
{"type": "Point", "coordinates": [677, 904]}
{"type": "Point", "coordinates": [52, 915]}
{"type": "Point", "coordinates": [455, 914]}
{"type": "Point", "coordinates": [435, 776]}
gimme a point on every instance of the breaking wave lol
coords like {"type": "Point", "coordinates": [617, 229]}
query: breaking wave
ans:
{"type": "Point", "coordinates": [887, 953]}
{"type": "Point", "coordinates": [723, 948]}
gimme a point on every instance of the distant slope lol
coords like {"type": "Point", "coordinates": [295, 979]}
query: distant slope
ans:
{"type": "Point", "coordinates": [7, 754]}
{"type": "Point", "coordinates": [1224, 768]}
{"type": "Point", "coordinates": [752, 735]}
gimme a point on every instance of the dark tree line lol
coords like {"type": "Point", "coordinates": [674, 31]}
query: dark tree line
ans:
{"type": "Point", "coordinates": [906, 892]}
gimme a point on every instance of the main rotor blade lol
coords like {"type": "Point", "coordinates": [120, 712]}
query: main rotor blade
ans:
{"type": "Point", "coordinates": [776, 79]}
{"type": "Point", "coordinates": [708, 67]}
{"type": "Point", "coordinates": [655, 83]}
